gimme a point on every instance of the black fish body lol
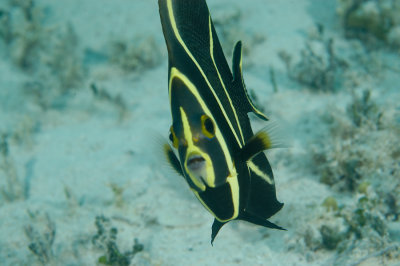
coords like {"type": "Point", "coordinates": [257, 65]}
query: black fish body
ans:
{"type": "Point", "coordinates": [213, 145]}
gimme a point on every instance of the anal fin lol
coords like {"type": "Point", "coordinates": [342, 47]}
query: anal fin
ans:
{"type": "Point", "coordinates": [246, 216]}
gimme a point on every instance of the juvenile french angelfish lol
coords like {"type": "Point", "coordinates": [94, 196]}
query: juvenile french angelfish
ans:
{"type": "Point", "coordinates": [213, 145]}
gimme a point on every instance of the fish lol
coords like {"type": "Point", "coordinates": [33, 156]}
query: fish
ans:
{"type": "Point", "coordinates": [211, 141]}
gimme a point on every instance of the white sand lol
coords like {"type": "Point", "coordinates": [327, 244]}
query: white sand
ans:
{"type": "Point", "coordinates": [85, 147]}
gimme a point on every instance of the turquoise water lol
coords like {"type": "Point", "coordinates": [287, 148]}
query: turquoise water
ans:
{"type": "Point", "coordinates": [84, 111]}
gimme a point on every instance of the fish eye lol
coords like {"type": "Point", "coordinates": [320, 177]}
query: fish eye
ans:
{"type": "Point", "coordinates": [173, 138]}
{"type": "Point", "coordinates": [207, 126]}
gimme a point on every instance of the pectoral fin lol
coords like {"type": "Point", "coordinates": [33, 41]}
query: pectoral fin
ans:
{"type": "Point", "coordinates": [172, 159]}
{"type": "Point", "coordinates": [265, 139]}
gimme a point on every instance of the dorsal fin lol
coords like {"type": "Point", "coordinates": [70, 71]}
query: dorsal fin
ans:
{"type": "Point", "coordinates": [238, 78]}
{"type": "Point", "coordinates": [237, 62]}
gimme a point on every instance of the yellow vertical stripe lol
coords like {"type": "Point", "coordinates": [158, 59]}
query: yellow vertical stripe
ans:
{"type": "Point", "coordinates": [175, 73]}
{"type": "Point", "coordinates": [220, 79]}
{"type": "Point", "coordinates": [179, 38]}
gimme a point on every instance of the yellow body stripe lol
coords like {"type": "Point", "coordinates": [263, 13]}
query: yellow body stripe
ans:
{"type": "Point", "coordinates": [175, 73]}
{"type": "Point", "coordinates": [258, 172]}
{"type": "Point", "coordinates": [220, 79]}
{"type": "Point", "coordinates": [179, 38]}
{"type": "Point", "coordinates": [194, 150]}
{"type": "Point", "coordinates": [233, 183]}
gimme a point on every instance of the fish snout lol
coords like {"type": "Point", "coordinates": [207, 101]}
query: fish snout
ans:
{"type": "Point", "coordinates": [196, 166]}
{"type": "Point", "coordinates": [195, 163]}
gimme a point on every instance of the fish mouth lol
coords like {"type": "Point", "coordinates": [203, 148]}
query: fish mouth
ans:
{"type": "Point", "coordinates": [196, 163]}
{"type": "Point", "coordinates": [197, 167]}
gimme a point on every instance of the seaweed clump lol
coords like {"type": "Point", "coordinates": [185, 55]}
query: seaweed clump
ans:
{"type": "Point", "coordinates": [319, 67]}
{"type": "Point", "coordinates": [117, 101]}
{"type": "Point", "coordinates": [61, 72]}
{"type": "Point", "coordinates": [41, 238]}
{"type": "Point", "coordinates": [371, 21]}
{"type": "Point", "coordinates": [363, 111]}
{"type": "Point", "coordinates": [226, 21]}
{"type": "Point", "coordinates": [357, 228]}
{"type": "Point", "coordinates": [48, 55]}
{"type": "Point", "coordinates": [138, 54]}
{"type": "Point", "coordinates": [106, 241]}
{"type": "Point", "coordinates": [14, 188]}
{"type": "Point", "coordinates": [345, 162]}
{"type": "Point", "coordinates": [359, 156]}
{"type": "Point", "coordinates": [22, 31]}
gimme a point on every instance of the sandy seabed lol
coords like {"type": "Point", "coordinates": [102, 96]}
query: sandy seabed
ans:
{"type": "Point", "coordinates": [83, 103]}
